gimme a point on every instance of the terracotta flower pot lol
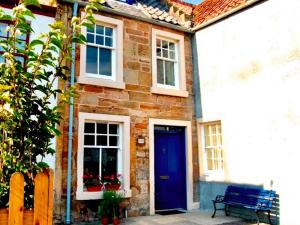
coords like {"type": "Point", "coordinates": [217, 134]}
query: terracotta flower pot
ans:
{"type": "Point", "coordinates": [104, 220]}
{"type": "Point", "coordinates": [114, 187]}
{"type": "Point", "coordinates": [94, 188]}
{"type": "Point", "coordinates": [116, 221]}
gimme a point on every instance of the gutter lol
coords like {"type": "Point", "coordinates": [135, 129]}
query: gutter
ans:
{"type": "Point", "coordinates": [70, 133]}
{"type": "Point", "coordinates": [222, 16]}
{"type": "Point", "coordinates": [148, 20]}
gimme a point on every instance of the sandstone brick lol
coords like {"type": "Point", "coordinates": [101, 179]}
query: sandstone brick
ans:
{"type": "Point", "coordinates": [139, 39]}
{"type": "Point", "coordinates": [133, 31]}
{"type": "Point", "coordinates": [149, 106]}
{"type": "Point", "coordinates": [143, 27]}
{"type": "Point", "coordinates": [88, 99]}
{"type": "Point", "coordinates": [132, 87]}
{"type": "Point", "coordinates": [93, 88]}
{"type": "Point", "coordinates": [140, 96]}
{"type": "Point", "coordinates": [131, 76]}
{"type": "Point", "coordinates": [133, 65]}
{"type": "Point", "coordinates": [145, 78]}
{"type": "Point", "coordinates": [130, 48]}
{"type": "Point", "coordinates": [143, 50]}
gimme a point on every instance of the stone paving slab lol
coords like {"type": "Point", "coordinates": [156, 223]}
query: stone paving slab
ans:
{"type": "Point", "coordinates": [189, 218]}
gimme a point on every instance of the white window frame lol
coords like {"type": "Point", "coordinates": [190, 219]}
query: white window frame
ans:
{"type": "Point", "coordinates": [210, 175]}
{"type": "Point", "coordinates": [124, 163]}
{"type": "Point", "coordinates": [179, 68]}
{"type": "Point", "coordinates": [116, 80]}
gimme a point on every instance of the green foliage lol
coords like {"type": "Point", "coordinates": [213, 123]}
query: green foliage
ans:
{"type": "Point", "coordinates": [110, 204]}
{"type": "Point", "coordinates": [28, 121]}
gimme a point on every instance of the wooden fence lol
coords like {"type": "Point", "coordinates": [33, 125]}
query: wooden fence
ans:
{"type": "Point", "coordinates": [42, 214]}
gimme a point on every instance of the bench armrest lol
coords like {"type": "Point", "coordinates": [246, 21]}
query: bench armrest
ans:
{"type": "Point", "coordinates": [219, 198]}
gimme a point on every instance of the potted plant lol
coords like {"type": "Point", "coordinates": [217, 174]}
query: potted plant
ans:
{"type": "Point", "coordinates": [92, 182]}
{"type": "Point", "coordinates": [110, 205]}
{"type": "Point", "coordinates": [103, 211]}
{"type": "Point", "coordinates": [113, 182]}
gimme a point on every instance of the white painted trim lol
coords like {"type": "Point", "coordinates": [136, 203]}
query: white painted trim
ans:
{"type": "Point", "coordinates": [189, 160]}
{"type": "Point", "coordinates": [179, 40]}
{"type": "Point", "coordinates": [117, 62]}
{"type": "Point", "coordinates": [196, 205]}
{"type": "Point", "coordinates": [125, 121]}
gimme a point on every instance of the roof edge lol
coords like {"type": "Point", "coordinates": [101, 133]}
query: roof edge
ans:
{"type": "Point", "coordinates": [226, 14]}
{"type": "Point", "coordinates": [160, 23]}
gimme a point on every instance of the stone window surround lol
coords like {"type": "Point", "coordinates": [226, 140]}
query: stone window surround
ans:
{"type": "Point", "coordinates": [179, 40]}
{"type": "Point", "coordinates": [189, 161]}
{"type": "Point", "coordinates": [118, 70]}
{"type": "Point", "coordinates": [124, 122]}
{"type": "Point", "coordinates": [206, 175]}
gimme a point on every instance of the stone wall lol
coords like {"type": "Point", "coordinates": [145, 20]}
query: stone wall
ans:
{"type": "Point", "coordinates": [135, 101]}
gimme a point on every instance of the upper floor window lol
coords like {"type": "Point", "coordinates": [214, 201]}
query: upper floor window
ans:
{"type": "Point", "coordinates": [213, 149]}
{"type": "Point", "coordinates": [100, 52]}
{"type": "Point", "coordinates": [21, 42]}
{"type": "Point", "coordinates": [101, 60]}
{"type": "Point", "coordinates": [168, 64]}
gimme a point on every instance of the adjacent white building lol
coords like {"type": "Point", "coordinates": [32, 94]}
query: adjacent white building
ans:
{"type": "Point", "coordinates": [249, 74]}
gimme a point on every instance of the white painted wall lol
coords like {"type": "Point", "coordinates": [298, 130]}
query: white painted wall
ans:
{"type": "Point", "coordinates": [40, 25]}
{"type": "Point", "coordinates": [249, 68]}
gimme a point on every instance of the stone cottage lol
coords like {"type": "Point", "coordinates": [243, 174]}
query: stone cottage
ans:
{"type": "Point", "coordinates": [134, 109]}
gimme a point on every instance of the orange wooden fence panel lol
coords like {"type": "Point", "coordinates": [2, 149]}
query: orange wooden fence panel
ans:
{"type": "Point", "coordinates": [42, 213]}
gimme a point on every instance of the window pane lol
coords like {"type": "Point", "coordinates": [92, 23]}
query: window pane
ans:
{"type": "Point", "coordinates": [101, 128]}
{"type": "Point", "coordinates": [91, 59]}
{"type": "Point", "coordinates": [108, 31]}
{"type": "Point", "coordinates": [99, 29]}
{"type": "Point", "coordinates": [171, 46]}
{"type": "Point", "coordinates": [158, 43]}
{"type": "Point", "coordinates": [113, 141]}
{"type": "Point", "coordinates": [165, 53]}
{"type": "Point", "coordinates": [172, 54]}
{"type": "Point", "coordinates": [91, 164]}
{"type": "Point", "coordinates": [158, 52]}
{"type": "Point", "coordinates": [91, 30]}
{"type": "Point", "coordinates": [160, 71]}
{"type": "Point", "coordinates": [3, 27]}
{"type": "Point", "coordinates": [20, 59]}
{"type": "Point", "coordinates": [89, 139]}
{"type": "Point", "coordinates": [99, 40]}
{"type": "Point", "coordinates": [89, 127]}
{"type": "Point", "coordinates": [113, 128]}
{"type": "Point", "coordinates": [108, 41]}
{"type": "Point", "coordinates": [165, 44]}
{"type": "Point", "coordinates": [101, 140]}
{"type": "Point", "coordinates": [1, 59]}
{"type": "Point", "coordinates": [90, 38]}
{"type": "Point", "coordinates": [105, 61]}
{"type": "Point", "coordinates": [209, 164]}
{"type": "Point", "coordinates": [109, 161]}
{"type": "Point", "coordinates": [170, 77]}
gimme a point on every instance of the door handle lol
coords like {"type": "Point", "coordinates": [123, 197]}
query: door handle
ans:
{"type": "Point", "coordinates": [164, 177]}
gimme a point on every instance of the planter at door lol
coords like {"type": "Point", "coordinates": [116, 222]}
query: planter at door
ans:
{"type": "Point", "coordinates": [104, 220]}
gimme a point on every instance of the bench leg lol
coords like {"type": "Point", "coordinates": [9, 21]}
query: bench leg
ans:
{"type": "Point", "coordinates": [215, 208]}
{"type": "Point", "coordinates": [257, 216]}
{"type": "Point", "coordinates": [269, 217]}
{"type": "Point", "coordinates": [226, 210]}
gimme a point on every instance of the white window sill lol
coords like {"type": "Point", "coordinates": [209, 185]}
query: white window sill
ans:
{"type": "Point", "coordinates": [214, 176]}
{"type": "Point", "coordinates": [80, 195]}
{"type": "Point", "coordinates": [101, 82]}
{"type": "Point", "coordinates": [172, 92]}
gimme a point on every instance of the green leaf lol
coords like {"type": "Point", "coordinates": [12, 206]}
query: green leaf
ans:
{"type": "Point", "coordinates": [36, 42]}
{"type": "Point", "coordinates": [32, 2]}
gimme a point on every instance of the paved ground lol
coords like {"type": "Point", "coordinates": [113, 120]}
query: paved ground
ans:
{"type": "Point", "coordinates": [190, 218]}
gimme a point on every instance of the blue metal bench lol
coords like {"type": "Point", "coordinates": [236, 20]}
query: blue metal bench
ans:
{"type": "Point", "coordinates": [256, 199]}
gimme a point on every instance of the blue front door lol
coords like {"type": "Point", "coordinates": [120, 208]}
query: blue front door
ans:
{"type": "Point", "coordinates": [170, 168]}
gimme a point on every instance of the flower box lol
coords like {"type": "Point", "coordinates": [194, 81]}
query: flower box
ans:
{"type": "Point", "coordinates": [94, 188]}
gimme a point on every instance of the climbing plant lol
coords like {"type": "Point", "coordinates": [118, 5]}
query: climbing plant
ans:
{"type": "Point", "coordinates": [28, 120]}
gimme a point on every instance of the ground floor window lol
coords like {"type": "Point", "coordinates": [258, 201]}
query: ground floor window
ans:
{"type": "Point", "coordinates": [103, 151]}
{"type": "Point", "coordinates": [213, 148]}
